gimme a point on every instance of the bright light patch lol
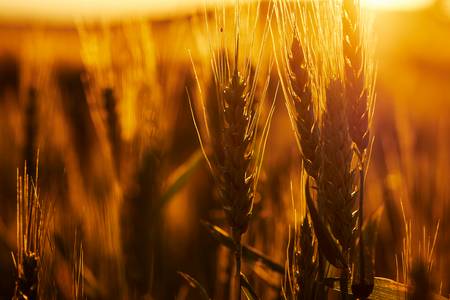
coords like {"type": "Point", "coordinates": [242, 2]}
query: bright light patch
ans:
{"type": "Point", "coordinates": [67, 9]}
{"type": "Point", "coordinates": [397, 4]}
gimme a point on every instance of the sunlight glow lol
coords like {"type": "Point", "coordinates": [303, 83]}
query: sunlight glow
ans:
{"type": "Point", "coordinates": [62, 10]}
{"type": "Point", "coordinates": [56, 9]}
{"type": "Point", "coordinates": [398, 4]}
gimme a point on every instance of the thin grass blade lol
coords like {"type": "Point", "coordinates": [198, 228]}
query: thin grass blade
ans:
{"type": "Point", "coordinates": [327, 244]}
{"type": "Point", "coordinates": [193, 283]}
{"type": "Point", "coordinates": [248, 290]}
{"type": "Point", "coordinates": [249, 253]}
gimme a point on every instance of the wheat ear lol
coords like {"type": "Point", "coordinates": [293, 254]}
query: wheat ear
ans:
{"type": "Point", "coordinates": [335, 179]}
{"type": "Point", "coordinates": [305, 262]}
{"type": "Point", "coordinates": [358, 97]}
{"type": "Point", "coordinates": [234, 137]}
{"type": "Point", "coordinates": [356, 93]}
{"type": "Point", "coordinates": [304, 109]}
{"type": "Point", "coordinates": [335, 176]}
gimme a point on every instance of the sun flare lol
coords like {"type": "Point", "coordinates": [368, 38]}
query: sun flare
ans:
{"type": "Point", "coordinates": [397, 4]}
{"type": "Point", "coordinates": [54, 9]}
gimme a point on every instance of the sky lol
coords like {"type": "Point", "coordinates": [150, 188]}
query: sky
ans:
{"type": "Point", "coordinates": [397, 4]}
{"type": "Point", "coordinates": [56, 9]}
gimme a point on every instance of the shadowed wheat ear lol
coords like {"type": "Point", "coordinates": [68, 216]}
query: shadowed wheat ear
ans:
{"type": "Point", "coordinates": [296, 72]}
{"type": "Point", "coordinates": [234, 135]}
{"type": "Point", "coordinates": [310, 68]}
{"type": "Point", "coordinates": [336, 178]}
{"type": "Point", "coordinates": [305, 121]}
{"type": "Point", "coordinates": [302, 262]}
{"type": "Point", "coordinates": [358, 72]}
{"type": "Point", "coordinates": [335, 185]}
{"type": "Point", "coordinates": [305, 262]}
{"type": "Point", "coordinates": [31, 236]}
{"type": "Point", "coordinates": [359, 93]}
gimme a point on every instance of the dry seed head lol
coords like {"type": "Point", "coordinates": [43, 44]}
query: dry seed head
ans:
{"type": "Point", "coordinates": [357, 93]}
{"type": "Point", "coordinates": [336, 177]}
{"type": "Point", "coordinates": [316, 26]}
{"type": "Point", "coordinates": [297, 69]}
{"type": "Point", "coordinates": [31, 231]}
{"type": "Point", "coordinates": [309, 45]}
{"type": "Point", "coordinates": [231, 114]}
{"type": "Point", "coordinates": [323, 24]}
{"type": "Point", "coordinates": [236, 178]}
{"type": "Point", "coordinates": [301, 93]}
{"type": "Point", "coordinates": [305, 261]}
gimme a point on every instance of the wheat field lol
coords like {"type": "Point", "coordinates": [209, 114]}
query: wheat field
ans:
{"type": "Point", "coordinates": [236, 150]}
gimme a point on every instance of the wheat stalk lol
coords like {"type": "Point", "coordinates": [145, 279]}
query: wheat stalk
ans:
{"type": "Point", "coordinates": [78, 271]}
{"type": "Point", "coordinates": [307, 128]}
{"type": "Point", "coordinates": [356, 92]}
{"type": "Point", "coordinates": [31, 231]}
{"type": "Point", "coordinates": [314, 90]}
{"type": "Point", "coordinates": [335, 179]}
{"type": "Point", "coordinates": [305, 261]}
{"type": "Point", "coordinates": [298, 76]}
{"type": "Point", "coordinates": [359, 84]}
{"type": "Point", "coordinates": [231, 119]}
{"type": "Point", "coordinates": [335, 184]}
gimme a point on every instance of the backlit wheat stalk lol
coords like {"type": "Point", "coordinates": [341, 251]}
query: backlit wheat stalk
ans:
{"type": "Point", "coordinates": [233, 139]}
{"type": "Point", "coordinates": [299, 81]}
{"type": "Point", "coordinates": [31, 237]}
{"type": "Point", "coordinates": [329, 99]}
{"type": "Point", "coordinates": [359, 94]}
{"type": "Point", "coordinates": [78, 271]}
{"type": "Point", "coordinates": [335, 179]}
{"type": "Point", "coordinates": [127, 98]}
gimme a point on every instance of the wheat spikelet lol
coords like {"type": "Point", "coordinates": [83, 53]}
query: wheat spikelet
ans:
{"type": "Point", "coordinates": [233, 131]}
{"type": "Point", "coordinates": [312, 68]}
{"type": "Point", "coordinates": [356, 92]}
{"type": "Point", "coordinates": [231, 121]}
{"type": "Point", "coordinates": [304, 108]}
{"type": "Point", "coordinates": [336, 178]}
{"type": "Point", "coordinates": [232, 112]}
{"type": "Point", "coordinates": [305, 261]}
{"type": "Point", "coordinates": [359, 95]}
{"type": "Point", "coordinates": [237, 177]}
{"type": "Point", "coordinates": [297, 67]}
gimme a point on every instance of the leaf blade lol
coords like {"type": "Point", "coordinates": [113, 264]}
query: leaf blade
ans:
{"type": "Point", "coordinates": [249, 253]}
{"type": "Point", "coordinates": [248, 290]}
{"type": "Point", "coordinates": [327, 244]}
{"type": "Point", "coordinates": [193, 283]}
{"type": "Point", "coordinates": [178, 179]}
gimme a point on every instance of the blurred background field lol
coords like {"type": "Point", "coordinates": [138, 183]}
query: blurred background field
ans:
{"type": "Point", "coordinates": [100, 142]}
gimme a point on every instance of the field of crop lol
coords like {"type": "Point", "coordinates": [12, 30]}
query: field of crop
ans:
{"type": "Point", "coordinates": [251, 150]}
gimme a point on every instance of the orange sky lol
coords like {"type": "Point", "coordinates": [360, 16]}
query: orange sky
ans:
{"type": "Point", "coordinates": [397, 4]}
{"type": "Point", "coordinates": [57, 9]}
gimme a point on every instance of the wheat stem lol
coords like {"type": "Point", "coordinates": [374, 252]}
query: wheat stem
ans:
{"type": "Point", "coordinates": [237, 237]}
{"type": "Point", "coordinates": [361, 216]}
